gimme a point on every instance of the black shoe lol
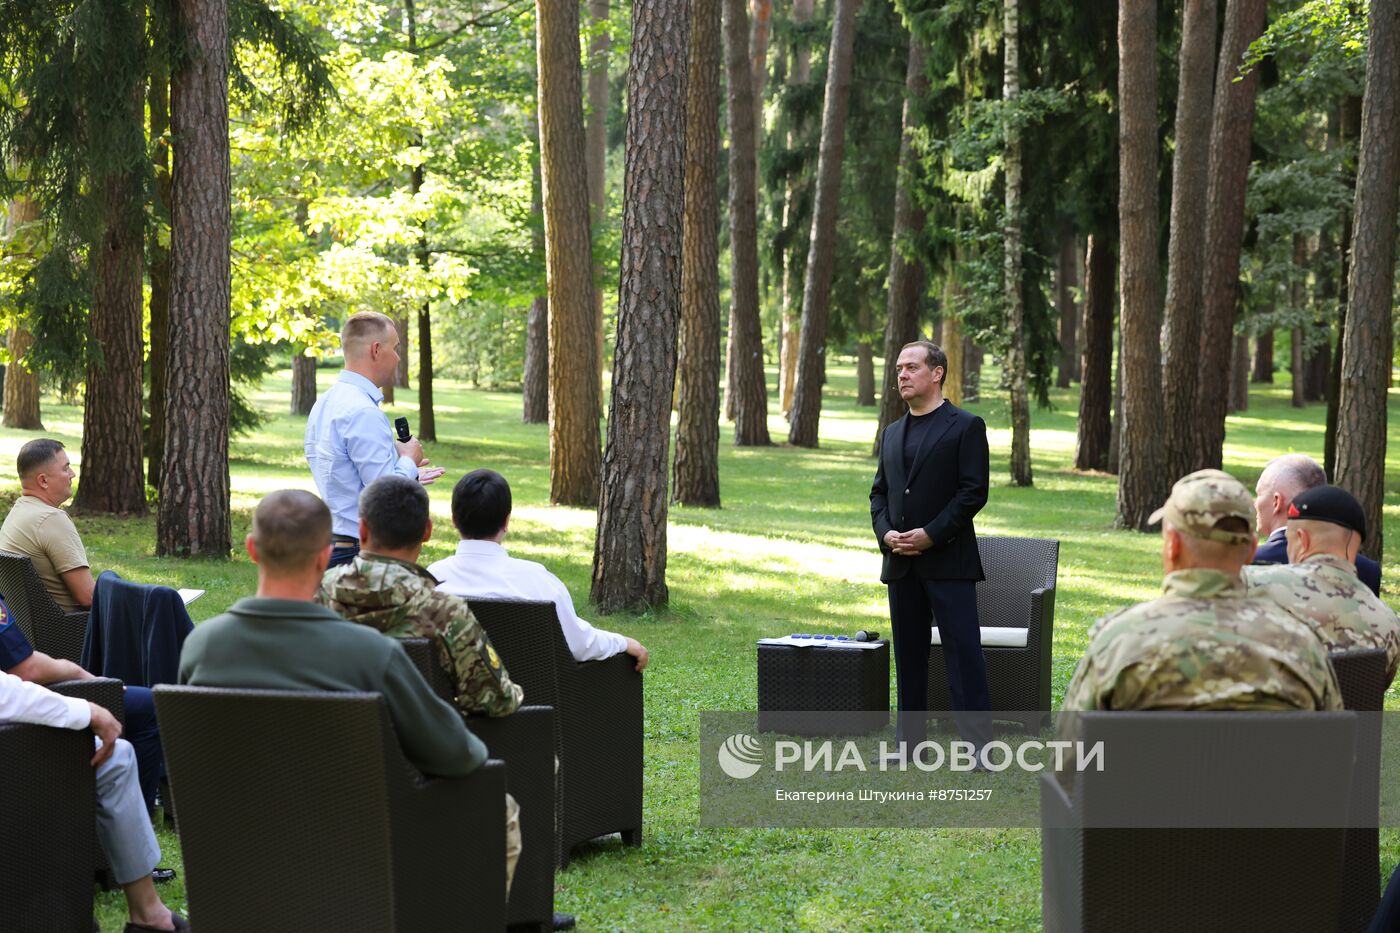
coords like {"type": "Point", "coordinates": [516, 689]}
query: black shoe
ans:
{"type": "Point", "coordinates": [563, 921]}
{"type": "Point", "coordinates": [163, 875]}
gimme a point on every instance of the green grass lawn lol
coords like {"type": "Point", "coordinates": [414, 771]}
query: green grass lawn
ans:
{"type": "Point", "coordinates": [791, 550]}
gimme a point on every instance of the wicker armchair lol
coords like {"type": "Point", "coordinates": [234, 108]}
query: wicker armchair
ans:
{"type": "Point", "coordinates": [48, 628]}
{"type": "Point", "coordinates": [1363, 681]}
{"type": "Point", "coordinates": [524, 740]}
{"type": "Point", "coordinates": [1177, 774]}
{"type": "Point", "coordinates": [299, 812]}
{"type": "Point", "coordinates": [1018, 593]}
{"type": "Point", "coordinates": [598, 719]}
{"type": "Point", "coordinates": [107, 693]}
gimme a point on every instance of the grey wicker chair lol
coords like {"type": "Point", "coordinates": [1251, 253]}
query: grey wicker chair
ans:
{"type": "Point", "coordinates": [48, 628]}
{"type": "Point", "coordinates": [524, 740]}
{"type": "Point", "coordinates": [1019, 592]}
{"type": "Point", "coordinates": [1363, 681]}
{"type": "Point", "coordinates": [598, 720]}
{"type": "Point", "coordinates": [299, 812]}
{"type": "Point", "coordinates": [107, 693]}
{"type": "Point", "coordinates": [1180, 773]}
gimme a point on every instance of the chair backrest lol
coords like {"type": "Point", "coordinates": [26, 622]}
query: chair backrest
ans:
{"type": "Point", "coordinates": [1361, 675]}
{"type": "Point", "coordinates": [423, 653]}
{"type": "Point", "coordinates": [29, 603]}
{"type": "Point", "coordinates": [527, 636]}
{"type": "Point", "coordinates": [287, 804]}
{"type": "Point", "coordinates": [1013, 567]}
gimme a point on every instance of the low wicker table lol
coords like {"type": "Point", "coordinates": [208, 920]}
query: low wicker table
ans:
{"type": "Point", "coordinates": [851, 685]}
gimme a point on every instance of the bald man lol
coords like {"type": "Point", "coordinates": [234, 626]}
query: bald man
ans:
{"type": "Point", "coordinates": [349, 443]}
{"type": "Point", "coordinates": [1280, 483]}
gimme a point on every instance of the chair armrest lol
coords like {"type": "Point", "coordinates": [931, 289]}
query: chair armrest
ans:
{"type": "Point", "coordinates": [1042, 614]}
{"type": "Point", "coordinates": [104, 691]}
{"type": "Point", "coordinates": [64, 640]}
{"type": "Point", "coordinates": [613, 679]}
{"type": "Point", "coordinates": [525, 740]}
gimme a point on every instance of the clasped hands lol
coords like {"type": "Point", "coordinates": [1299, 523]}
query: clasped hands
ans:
{"type": "Point", "coordinates": [908, 543]}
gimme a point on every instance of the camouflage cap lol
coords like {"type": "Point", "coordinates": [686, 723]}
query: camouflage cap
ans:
{"type": "Point", "coordinates": [1200, 500]}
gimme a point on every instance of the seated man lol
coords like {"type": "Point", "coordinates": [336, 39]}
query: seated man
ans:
{"type": "Point", "coordinates": [18, 658]}
{"type": "Point", "coordinates": [481, 568]}
{"type": "Point", "coordinates": [123, 827]}
{"type": "Point", "coordinates": [1283, 479]}
{"type": "Point", "coordinates": [281, 640]}
{"type": "Point", "coordinates": [1319, 583]}
{"type": "Point", "coordinates": [37, 528]}
{"type": "Point", "coordinates": [385, 589]}
{"type": "Point", "coordinates": [1207, 643]}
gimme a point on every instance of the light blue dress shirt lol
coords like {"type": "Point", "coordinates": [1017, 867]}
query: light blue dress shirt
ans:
{"type": "Point", "coordinates": [349, 445]}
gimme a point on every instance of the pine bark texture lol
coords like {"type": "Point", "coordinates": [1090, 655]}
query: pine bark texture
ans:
{"type": "Point", "coordinates": [792, 323]}
{"type": "Point", "coordinates": [629, 558]}
{"type": "Point", "coordinates": [762, 28]}
{"type": "Point", "coordinates": [1142, 485]}
{"type": "Point", "coordinates": [158, 269]}
{"type": "Point", "coordinates": [1263, 358]}
{"type": "Point", "coordinates": [1239, 374]}
{"type": "Point", "coordinates": [596, 144]}
{"type": "Point", "coordinates": [953, 345]}
{"type": "Point", "coordinates": [1232, 125]}
{"type": "Point", "coordinates": [194, 485]}
{"type": "Point", "coordinates": [749, 388]}
{"type": "Point", "coordinates": [535, 378]}
{"type": "Point", "coordinates": [405, 343]}
{"type": "Point", "coordinates": [1096, 391]}
{"type": "Point", "coordinates": [1066, 280]}
{"type": "Point", "coordinates": [113, 474]}
{"type": "Point", "coordinates": [303, 383]}
{"type": "Point", "coordinates": [573, 371]}
{"type": "Point", "coordinates": [1299, 298]}
{"type": "Point", "coordinates": [1012, 259]}
{"type": "Point", "coordinates": [1185, 245]}
{"type": "Point", "coordinates": [907, 278]}
{"type": "Point", "coordinates": [1366, 351]}
{"type": "Point", "coordinates": [1349, 128]}
{"type": "Point", "coordinates": [865, 362]}
{"type": "Point", "coordinates": [21, 393]}
{"type": "Point", "coordinates": [696, 478]}
{"type": "Point", "coordinates": [821, 250]}
{"type": "Point", "coordinates": [427, 418]}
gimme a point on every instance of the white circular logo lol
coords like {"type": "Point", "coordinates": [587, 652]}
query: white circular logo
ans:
{"type": "Point", "coordinates": [740, 756]}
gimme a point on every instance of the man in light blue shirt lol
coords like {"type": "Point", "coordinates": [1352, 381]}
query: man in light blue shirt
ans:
{"type": "Point", "coordinates": [349, 443]}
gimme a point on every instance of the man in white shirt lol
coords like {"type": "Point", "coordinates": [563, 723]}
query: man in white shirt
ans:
{"type": "Point", "coordinates": [349, 443]}
{"type": "Point", "coordinates": [481, 568]}
{"type": "Point", "coordinates": [123, 826]}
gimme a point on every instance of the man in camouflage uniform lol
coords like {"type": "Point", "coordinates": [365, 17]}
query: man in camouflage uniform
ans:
{"type": "Point", "coordinates": [383, 587]}
{"type": "Point", "coordinates": [1206, 643]}
{"type": "Point", "coordinates": [386, 589]}
{"type": "Point", "coordinates": [1320, 585]}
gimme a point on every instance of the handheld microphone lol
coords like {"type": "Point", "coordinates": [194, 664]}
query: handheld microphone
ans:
{"type": "Point", "coordinates": [401, 426]}
{"type": "Point", "coordinates": [871, 635]}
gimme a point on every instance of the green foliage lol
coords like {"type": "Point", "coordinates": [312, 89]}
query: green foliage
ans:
{"type": "Point", "coordinates": [1330, 37]}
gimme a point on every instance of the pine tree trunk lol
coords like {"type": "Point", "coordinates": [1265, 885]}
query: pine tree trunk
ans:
{"type": "Point", "coordinates": [792, 324]}
{"type": "Point", "coordinates": [1263, 357]}
{"type": "Point", "coordinates": [750, 390]}
{"type": "Point", "coordinates": [1239, 374]}
{"type": "Point", "coordinates": [758, 58]}
{"type": "Point", "coordinates": [596, 144]}
{"type": "Point", "coordinates": [157, 253]}
{"type": "Point", "coordinates": [1232, 124]}
{"type": "Point", "coordinates": [629, 559]}
{"type": "Point", "coordinates": [1298, 298]}
{"type": "Point", "coordinates": [1185, 247]}
{"type": "Point", "coordinates": [865, 363]}
{"type": "Point", "coordinates": [821, 250]}
{"type": "Point", "coordinates": [1366, 352]}
{"type": "Point", "coordinates": [427, 418]}
{"type": "Point", "coordinates": [1066, 280]}
{"type": "Point", "coordinates": [573, 370]}
{"type": "Point", "coordinates": [405, 343]}
{"type": "Point", "coordinates": [114, 476]}
{"type": "Point", "coordinates": [1295, 367]}
{"type": "Point", "coordinates": [21, 392]}
{"type": "Point", "coordinates": [953, 345]}
{"type": "Point", "coordinates": [1142, 484]}
{"type": "Point", "coordinates": [1096, 390]}
{"type": "Point", "coordinates": [1012, 263]}
{"type": "Point", "coordinates": [535, 379]}
{"type": "Point", "coordinates": [696, 477]}
{"type": "Point", "coordinates": [906, 285]}
{"type": "Point", "coordinates": [973, 357]}
{"type": "Point", "coordinates": [1318, 364]}
{"type": "Point", "coordinates": [1349, 121]}
{"type": "Point", "coordinates": [1115, 432]}
{"type": "Point", "coordinates": [303, 382]}
{"type": "Point", "coordinates": [194, 484]}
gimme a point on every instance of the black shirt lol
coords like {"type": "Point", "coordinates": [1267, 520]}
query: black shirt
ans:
{"type": "Point", "coordinates": [914, 432]}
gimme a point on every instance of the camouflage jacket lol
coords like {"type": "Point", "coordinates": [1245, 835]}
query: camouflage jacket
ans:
{"type": "Point", "coordinates": [1324, 592]}
{"type": "Point", "coordinates": [400, 599]}
{"type": "Point", "coordinates": [1205, 644]}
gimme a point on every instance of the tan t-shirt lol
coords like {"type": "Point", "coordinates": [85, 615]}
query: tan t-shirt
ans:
{"type": "Point", "coordinates": [47, 537]}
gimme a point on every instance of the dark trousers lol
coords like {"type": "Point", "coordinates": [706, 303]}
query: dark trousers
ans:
{"type": "Point", "coordinates": [343, 554]}
{"type": "Point", "coordinates": [952, 604]}
{"type": "Point", "coordinates": [141, 731]}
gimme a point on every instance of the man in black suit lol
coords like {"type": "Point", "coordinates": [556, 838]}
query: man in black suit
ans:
{"type": "Point", "coordinates": [931, 480]}
{"type": "Point", "coordinates": [1282, 480]}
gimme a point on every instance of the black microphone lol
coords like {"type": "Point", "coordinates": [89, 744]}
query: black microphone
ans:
{"type": "Point", "coordinates": [401, 426]}
{"type": "Point", "coordinates": [871, 635]}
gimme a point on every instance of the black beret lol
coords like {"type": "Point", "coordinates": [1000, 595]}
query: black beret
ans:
{"type": "Point", "coordinates": [1329, 504]}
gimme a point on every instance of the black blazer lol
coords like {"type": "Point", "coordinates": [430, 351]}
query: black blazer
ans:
{"type": "Point", "coordinates": [1275, 551]}
{"type": "Point", "coordinates": [945, 489]}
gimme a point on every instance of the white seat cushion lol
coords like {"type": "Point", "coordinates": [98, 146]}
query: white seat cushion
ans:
{"type": "Point", "coordinates": [995, 637]}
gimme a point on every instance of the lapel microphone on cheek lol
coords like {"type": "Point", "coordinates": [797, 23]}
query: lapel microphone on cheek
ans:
{"type": "Point", "coordinates": [401, 426]}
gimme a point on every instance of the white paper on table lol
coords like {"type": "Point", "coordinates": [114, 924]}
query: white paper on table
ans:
{"type": "Point", "coordinates": [819, 642]}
